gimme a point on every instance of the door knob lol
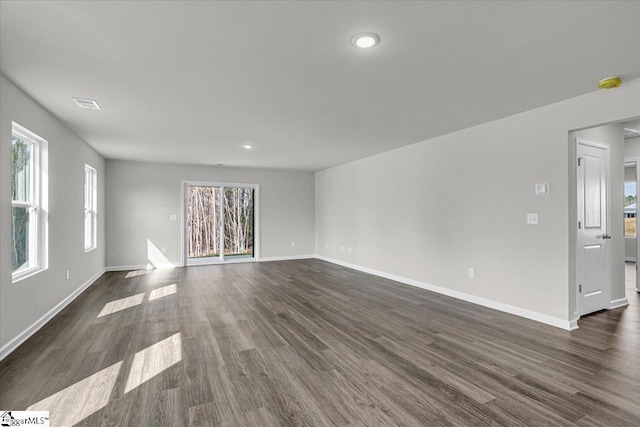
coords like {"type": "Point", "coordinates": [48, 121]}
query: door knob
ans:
{"type": "Point", "coordinates": [606, 236]}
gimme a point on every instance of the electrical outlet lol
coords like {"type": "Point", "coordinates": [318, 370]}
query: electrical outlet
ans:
{"type": "Point", "coordinates": [349, 250]}
{"type": "Point", "coordinates": [173, 217]}
{"type": "Point", "coordinates": [326, 246]}
{"type": "Point", "coordinates": [164, 250]}
{"type": "Point", "coordinates": [472, 272]}
{"type": "Point", "coordinates": [532, 218]}
{"type": "Point", "coordinates": [293, 244]}
{"type": "Point", "coordinates": [341, 248]}
{"type": "Point", "coordinates": [67, 274]}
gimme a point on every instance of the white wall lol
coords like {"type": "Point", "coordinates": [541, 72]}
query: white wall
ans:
{"type": "Point", "coordinates": [632, 148]}
{"type": "Point", "coordinates": [25, 302]}
{"type": "Point", "coordinates": [429, 211]}
{"type": "Point", "coordinates": [142, 196]}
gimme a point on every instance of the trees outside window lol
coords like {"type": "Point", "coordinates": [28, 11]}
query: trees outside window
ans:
{"type": "Point", "coordinates": [220, 221]}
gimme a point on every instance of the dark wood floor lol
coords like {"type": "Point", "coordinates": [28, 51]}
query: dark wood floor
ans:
{"type": "Point", "coordinates": [311, 343]}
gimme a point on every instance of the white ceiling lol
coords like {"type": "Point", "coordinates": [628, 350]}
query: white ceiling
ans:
{"type": "Point", "coordinates": [190, 82]}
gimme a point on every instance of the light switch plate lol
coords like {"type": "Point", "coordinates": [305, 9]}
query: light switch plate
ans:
{"type": "Point", "coordinates": [542, 189]}
{"type": "Point", "coordinates": [532, 218]}
{"type": "Point", "coordinates": [172, 217]}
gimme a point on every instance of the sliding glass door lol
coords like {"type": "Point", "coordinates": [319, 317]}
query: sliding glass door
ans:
{"type": "Point", "coordinates": [220, 222]}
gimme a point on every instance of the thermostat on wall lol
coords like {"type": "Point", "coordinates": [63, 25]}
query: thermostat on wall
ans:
{"type": "Point", "coordinates": [542, 189]}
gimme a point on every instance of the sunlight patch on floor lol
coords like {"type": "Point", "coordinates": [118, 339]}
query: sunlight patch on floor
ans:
{"type": "Point", "coordinates": [153, 360]}
{"type": "Point", "coordinates": [137, 273]}
{"type": "Point", "coordinates": [163, 292]}
{"type": "Point", "coordinates": [121, 304]}
{"type": "Point", "coordinates": [76, 402]}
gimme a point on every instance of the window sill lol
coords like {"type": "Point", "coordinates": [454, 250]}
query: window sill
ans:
{"type": "Point", "coordinates": [16, 277]}
{"type": "Point", "coordinates": [90, 249]}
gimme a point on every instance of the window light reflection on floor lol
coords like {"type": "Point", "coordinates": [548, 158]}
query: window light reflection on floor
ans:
{"type": "Point", "coordinates": [137, 273]}
{"type": "Point", "coordinates": [76, 402]}
{"type": "Point", "coordinates": [163, 292]}
{"type": "Point", "coordinates": [121, 304]}
{"type": "Point", "coordinates": [153, 360]}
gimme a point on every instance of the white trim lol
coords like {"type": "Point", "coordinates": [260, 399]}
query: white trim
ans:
{"type": "Point", "coordinates": [21, 275]}
{"type": "Point", "coordinates": [636, 160]}
{"type": "Point", "coordinates": [27, 333]}
{"type": "Point", "coordinates": [286, 258]}
{"type": "Point", "coordinates": [142, 267]}
{"type": "Point", "coordinates": [617, 303]}
{"type": "Point", "coordinates": [532, 315]}
{"type": "Point", "coordinates": [127, 267]}
{"type": "Point", "coordinates": [198, 262]}
{"type": "Point", "coordinates": [38, 204]}
{"type": "Point", "coordinates": [573, 324]}
{"type": "Point", "coordinates": [629, 259]}
{"type": "Point", "coordinates": [90, 206]}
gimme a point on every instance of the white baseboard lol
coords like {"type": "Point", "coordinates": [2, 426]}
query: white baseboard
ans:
{"type": "Point", "coordinates": [24, 335]}
{"type": "Point", "coordinates": [533, 315]}
{"type": "Point", "coordinates": [618, 303]}
{"type": "Point", "coordinates": [286, 258]}
{"type": "Point", "coordinates": [263, 259]}
{"type": "Point", "coordinates": [573, 324]}
{"type": "Point", "coordinates": [141, 267]}
{"type": "Point", "coordinates": [126, 267]}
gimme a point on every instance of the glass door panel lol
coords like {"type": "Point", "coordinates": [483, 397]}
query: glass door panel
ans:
{"type": "Point", "coordinates": [203, 222]}
{"type": "Point", "coordinates": [238, 222]}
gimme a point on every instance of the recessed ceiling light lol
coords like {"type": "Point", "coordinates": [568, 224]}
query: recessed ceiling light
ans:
{"type": "Point", "coordinates": [89, 104]}
{"type": "Point", "coordinates": [365, 40]}
{"type": "Point", "coordinates": [248, 146]}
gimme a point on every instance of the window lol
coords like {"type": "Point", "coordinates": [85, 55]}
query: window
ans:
{"type": "Point", "coordinates": [90, 204]}
{"type": "Point", "coordinates": [630, 209]}
{"type": "Point", "coordinates": [28, 203]}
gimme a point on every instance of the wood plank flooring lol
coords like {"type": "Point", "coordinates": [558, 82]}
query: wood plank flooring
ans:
{"type": "Point", "coordinates": [311, 343]}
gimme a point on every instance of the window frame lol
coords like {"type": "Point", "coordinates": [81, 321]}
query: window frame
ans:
{"type": "Point", "coordinates": [91, 208]}
{"type": "Point", "coordinates": [36, 203]}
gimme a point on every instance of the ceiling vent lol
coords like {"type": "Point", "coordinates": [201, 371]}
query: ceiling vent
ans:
{"type": "Point", "coordinates": [89, 104]}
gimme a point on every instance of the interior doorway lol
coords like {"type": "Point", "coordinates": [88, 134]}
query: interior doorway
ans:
{"type": "Point", "coordinates": [631, 190]}
{"type": "Point", "coordinates": [221, 222]}
{"type": "Point", "coordinates": [630, 214]}
{"type": "Point", "coordinates": [593, 258]}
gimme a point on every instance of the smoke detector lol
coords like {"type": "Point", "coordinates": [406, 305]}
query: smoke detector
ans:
{"type": "Point", "coordinates": [610, 82]}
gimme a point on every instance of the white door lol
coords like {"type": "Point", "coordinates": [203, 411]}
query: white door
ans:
{"type": "Point", "coordinates": [593, 257]}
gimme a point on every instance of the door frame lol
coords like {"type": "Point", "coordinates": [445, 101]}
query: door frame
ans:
{"type": "Point", "coordinates": [578, 259]}
{"type": "Point", "coordinates": [636, 160]}
{"type": "Point", "coordinates": [183, 221]}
